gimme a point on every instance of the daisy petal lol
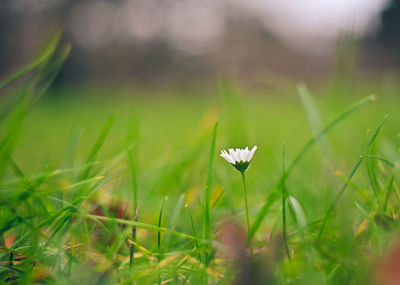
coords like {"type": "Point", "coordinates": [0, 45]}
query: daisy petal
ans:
{"type": "Point", "coordinates": [253, 150]}
{"type": "Point", "coordinates": [232, 154]}
{"type": "Point", "coordinates": [240, 155]}
{"type": "Point", "coordinates": [246, 154]}
{"type": "Point", "coordinates": [227, 158]}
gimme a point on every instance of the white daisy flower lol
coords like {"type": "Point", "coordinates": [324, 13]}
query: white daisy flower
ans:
{"type": "Point", "coordinates": [239, 158]}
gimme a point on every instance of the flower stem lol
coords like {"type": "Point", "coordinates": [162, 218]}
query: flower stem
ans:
{"type": "Point", "coordinates": [284, 203]}
{"type": "Point", "coordinates": [245, 202]}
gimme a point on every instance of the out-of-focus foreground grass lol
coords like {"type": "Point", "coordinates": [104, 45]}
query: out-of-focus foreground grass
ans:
{"type": "Point", "coordinates": [75, 163]}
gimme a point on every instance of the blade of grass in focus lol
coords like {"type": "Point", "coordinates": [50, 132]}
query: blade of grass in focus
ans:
{"type": "Point", "coordinates": [133, 176]}
{"type": "Point", "coordinates": [284, 204]}
{"type": "Point", "coordinates": [97, 145]}
{"type": "Point", "coordinates": [207, 192]}
{"type": "Point", "coordinates": [207, 195]}
{"type": "Point", "coordinates": [353, 171]}
{"type": "Point", "coordinates": [159, 237]}
{"type": "Point", "coordinates": [371, 170]}
{"type": "Point", "coordinates": [274, 194]}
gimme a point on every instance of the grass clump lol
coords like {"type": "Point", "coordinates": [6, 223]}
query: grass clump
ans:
{"type": "Point", "coordinates": [75, 218]}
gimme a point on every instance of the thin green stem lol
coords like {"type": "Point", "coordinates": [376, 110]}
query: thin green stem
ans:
{"type": "Point", "coordinates": [207, 192]}
{"type": "Point", "coordinates": [284, 203]}
{"type": "Point", "coordinates": [207, 197]}
{"type": "Point", "coordinates": [245, 202]}
{"type": "Point", "coordinates": [159, 238]}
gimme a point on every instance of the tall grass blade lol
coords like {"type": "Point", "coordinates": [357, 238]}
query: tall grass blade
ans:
{"type": "Point", "coordinates": [388, 190]}
{"type": "Point", "coordinates": [192, 225]}
{"type": "Point", "coordinates": [284, 204]}
{"type": "Point", "coordinates": [99, 142]}
{"type": "Point", "coordinates": [353, 171]}
{"type": "Point", "coordinates": [45, 55]}
{"type": "Point", "coordinates": [313, 115]}
{"type": "Point", "coordinates": [159, 237]}
{"type": "Point", "coordinates": [371, 170]}
{"type": "Point", "coordinates": [207, 192]}
{"type": "Point", "coordinates": [274, 194]}
{"type": "Point", "coordinates": [133, 176]}
{"type": "Point", "coordinates": [159, 231]}
{"type": "Point", "coordinates": [207, 197]}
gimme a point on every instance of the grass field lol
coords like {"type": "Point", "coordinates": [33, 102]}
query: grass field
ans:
{"type": "Point", "coordinates": [77, 163]}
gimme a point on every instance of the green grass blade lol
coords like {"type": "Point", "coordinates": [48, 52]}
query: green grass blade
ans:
{"type": "Point", "coordinates": [133, 176]}
{"type": "Point", "coordinates": [98, 144]}
{"type": "Point", "coordinates": [313, 115]}
{"type": "Point", "coordinates": [192, 225]}
{"type": "Point", "coordinates": [353, 171]}
{"type": "Point", "coordinates": [159, 231]}
{"type": "Point", "coordinates": [284, 204]}
{"type": "Point", "coordinates": [159, 238]}
{"type": "Point", "coordinates": [274, 194]}
{"type": "Point", "coordinates": [371, 170]}
{"type": "Point", "coordinates": [297, 212]}
{"type": "Point", "coordinates": [174, 220]}
{"type": "Point", "coordinates": [11, 269]}
{"type": "Point", "coordinates": [386, 161]}
{"type": "Point", "coordinates": [46, 54]}
{"type": "Point", "coordinates": [388, 190]}
{"type": "Point", "coordinates": [207, 193]}
{"type": "Point", "coordinates": [325, 130]}
{"type": "Point", "coordinates": [218, 199]}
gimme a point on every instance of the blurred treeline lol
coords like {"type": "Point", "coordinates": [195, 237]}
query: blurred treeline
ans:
{"type": "Point", "coordinates": [105, 50]}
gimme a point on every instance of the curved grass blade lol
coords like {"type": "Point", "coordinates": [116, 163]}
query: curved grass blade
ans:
{"type": "Point", "coordinates": [274, 194]}
{"type": "Point", "coordinates": [46, 54]}
{"type": "Point", "coordinates": [297, 212]}
{"type": "Point", "coordinates": [353, 171]}
{"type": "Point", "coordinates": [159, 231]}
{"type": "Point", "coordinates": [388, 162]}
{"type": "Point", "coordinates": [99, 142]}
{"type": "Point", "coordinates": [388, 190]}
{"type": "Point", "coordinates": [313, 115]}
